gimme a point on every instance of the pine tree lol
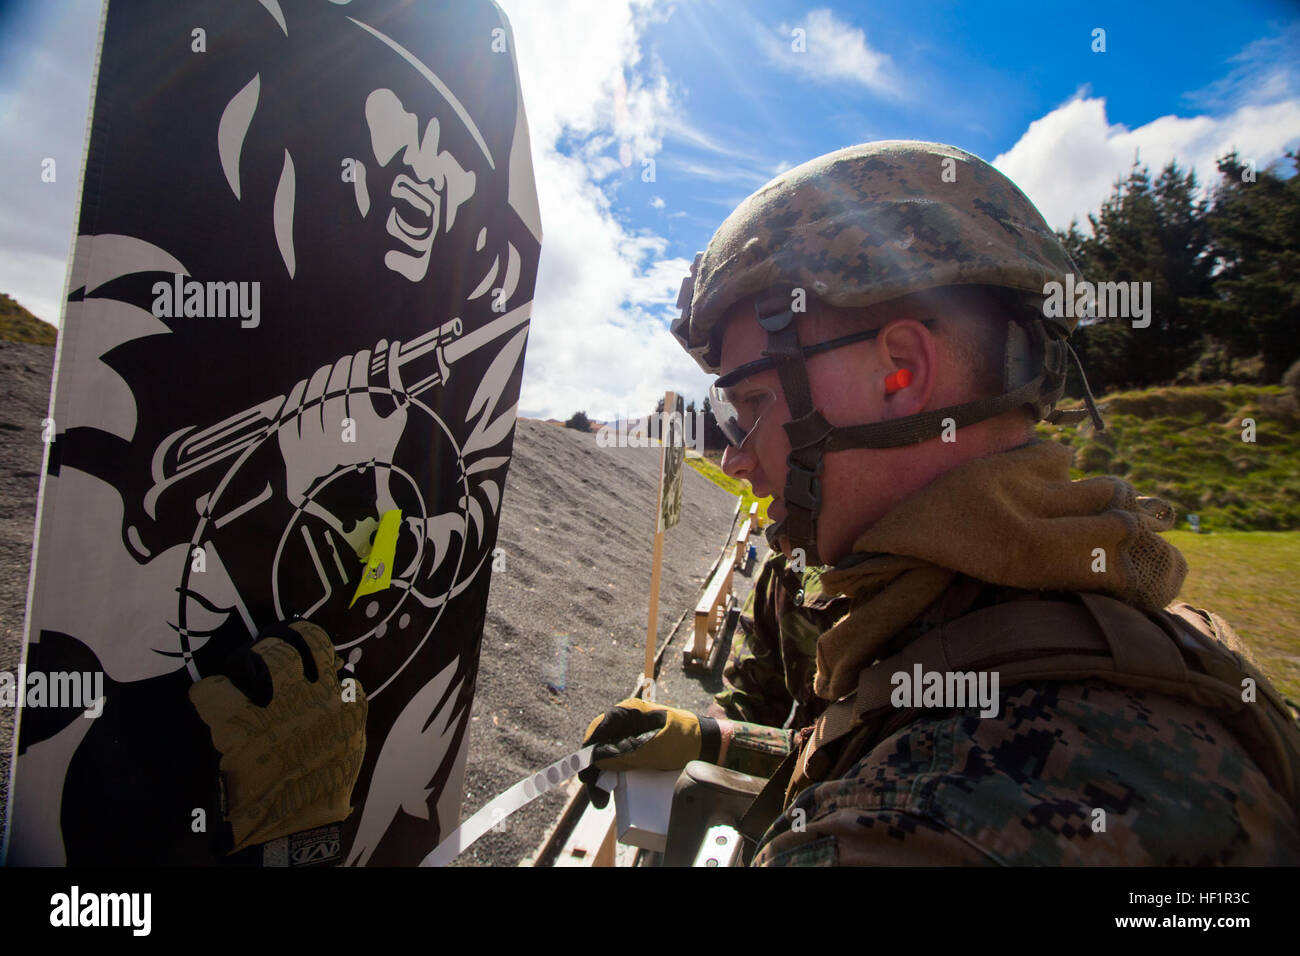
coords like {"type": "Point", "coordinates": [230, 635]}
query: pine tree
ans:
{"type": "Point", "coordinates": [1146, 232]}
{"type": "Point", "coordinates": [1254, 230]}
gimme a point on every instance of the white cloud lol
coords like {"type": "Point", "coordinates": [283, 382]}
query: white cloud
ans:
{"type": "Point", "coordinates": [834, 51]}
{"type": "Point", "coordinates": [604, 296]}
{"type": "Point", "coordinates": [713, 160]}
{"type": "Point", "coordinates": [599, 339]}
{"type": "Point", "coordinates": [679, 127]}
{"type": "Point", "coordinates": [716, 172]}
{"type": "Point", "coordinates": [1264, 72]}
{"type": "Point", "coordinates": [657, 202]}
{"type": "Point", "coordinates": [1068, 161]}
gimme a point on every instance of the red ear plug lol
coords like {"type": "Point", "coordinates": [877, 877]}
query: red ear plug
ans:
{"type": "Point", "coordinates": [900, 379]}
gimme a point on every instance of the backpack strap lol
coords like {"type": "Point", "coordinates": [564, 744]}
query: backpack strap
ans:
{"type": "Point", "coordinates": [1019, 632]}
{"type": "Point", "coordinates": [1182, 653]}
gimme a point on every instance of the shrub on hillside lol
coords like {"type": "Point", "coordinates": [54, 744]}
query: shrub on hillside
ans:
{"type": "Point", "coordinates": [1214, 364]}
{"type": "Point", "coordinates": [1291, 379]}
{"type": "Point", "coordinates": [579, 421]}
{"type": "Point", "coordinates": [1250, 369]}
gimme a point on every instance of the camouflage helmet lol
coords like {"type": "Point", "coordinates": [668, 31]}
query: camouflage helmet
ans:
{"type": "Point", "coordinates": [862, 226]}
{"type": "Point", "coordinates": [868, 224]}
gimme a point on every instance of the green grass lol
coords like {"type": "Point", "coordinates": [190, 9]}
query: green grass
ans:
{"type": "Point", "coordinates": [1251, 578]}
{"type": "Point", "coordinates": [19, 325]}
{"type": "Point", "coordinates": [736, 487]}
{"type": "Point", "coordinates": [1185, 445]}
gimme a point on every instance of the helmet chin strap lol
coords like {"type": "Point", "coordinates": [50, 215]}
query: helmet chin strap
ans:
{"type": "Point", "coordinates": [811, 436]}
{"type": "Point", "coordinates": [807, 429]}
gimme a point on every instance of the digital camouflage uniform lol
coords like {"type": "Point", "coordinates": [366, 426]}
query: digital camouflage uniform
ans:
{"type": "Point", "coordinates": [1025, 789]}
{"type": "Point", "coordinates": [1067, 771]}
{"type": "Point", "coordinates": [774, 655]}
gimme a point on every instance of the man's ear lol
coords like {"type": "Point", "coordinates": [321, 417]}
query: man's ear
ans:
{"type": "Point", "coordinates": [907, 344]}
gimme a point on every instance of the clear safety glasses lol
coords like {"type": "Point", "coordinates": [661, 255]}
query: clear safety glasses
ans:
{"type": "Point", "coordinates": [739, 406]}
{"type": "Point", "coordinates": [739, 409]}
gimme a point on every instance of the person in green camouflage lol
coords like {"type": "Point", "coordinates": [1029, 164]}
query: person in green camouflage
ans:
{"type": "Point", "coordinates": [881, 320]}
{"type": "Point", "coordinates": [769, 674]}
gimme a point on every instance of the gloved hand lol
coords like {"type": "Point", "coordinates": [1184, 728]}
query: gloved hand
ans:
{"type": "Point", "coordinates": [639, 735]}
{"type": "Point", "coordinates": [291, 744]}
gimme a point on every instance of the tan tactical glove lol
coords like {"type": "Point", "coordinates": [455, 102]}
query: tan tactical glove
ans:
{"type": "Point", "coordinates": [639, 735]}
{"type": "Point", "coordinates": [291, 738]}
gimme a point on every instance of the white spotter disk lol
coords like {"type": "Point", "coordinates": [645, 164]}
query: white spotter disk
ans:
{"type": "Point", "coordinates": [498, 808]}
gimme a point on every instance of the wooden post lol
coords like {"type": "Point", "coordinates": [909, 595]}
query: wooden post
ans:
{"type": "Point", "coordinates": [652, 626]}
{"type": "Point", "coordinates": [592, 841]}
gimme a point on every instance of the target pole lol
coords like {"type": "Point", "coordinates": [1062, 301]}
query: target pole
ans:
{"type": "Point", "coordinates": [670, 405]}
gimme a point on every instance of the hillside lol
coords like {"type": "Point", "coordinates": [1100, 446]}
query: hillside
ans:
{"type": "Point", "coordinates": [19, 325]}
{"type": "Point", "coordinates": [1185, 444]}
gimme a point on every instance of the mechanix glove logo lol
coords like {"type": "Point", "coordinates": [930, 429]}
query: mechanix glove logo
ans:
{"type": "Point", "coordinates": [291, 744]}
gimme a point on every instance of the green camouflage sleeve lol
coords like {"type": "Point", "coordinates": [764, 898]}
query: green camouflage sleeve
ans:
{"type": "Point", "coordinates": [753, 748]}
{"type": "Point", "coordinates": [1070, 773]}
{"type": "Point", "coordinates": [754, 681]}
{"type": "Point", "coordinates": [875, 838]}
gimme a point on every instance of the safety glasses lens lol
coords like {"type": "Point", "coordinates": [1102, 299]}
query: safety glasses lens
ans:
{"type": "Point", "coordinates": [739, 409]}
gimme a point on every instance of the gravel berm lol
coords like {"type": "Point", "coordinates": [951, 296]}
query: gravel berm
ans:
{"type": "Point", "coordinates": [25, 372]}
{"type": "Point", "coordinates": [564, 635]}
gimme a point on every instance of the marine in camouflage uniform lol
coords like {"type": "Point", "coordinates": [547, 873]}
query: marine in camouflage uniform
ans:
{"type": "Point", "coordinates": [769, 674]}
{"type": "Point", "coordinates": [1084, 770]}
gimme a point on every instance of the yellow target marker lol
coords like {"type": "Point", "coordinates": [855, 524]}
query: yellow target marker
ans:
{"type": "Point", "coordinates": [379, 565]}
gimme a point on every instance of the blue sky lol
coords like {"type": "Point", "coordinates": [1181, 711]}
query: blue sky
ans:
{"type": "Point", "coordinates": [714, 94]}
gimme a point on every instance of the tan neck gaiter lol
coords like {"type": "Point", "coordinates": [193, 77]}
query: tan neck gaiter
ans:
{"type": "Point", "coordinates": [1013, 519]}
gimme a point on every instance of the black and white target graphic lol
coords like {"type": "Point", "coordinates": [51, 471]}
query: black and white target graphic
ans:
{"type": "Point", "coordinates": [299, 301]}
